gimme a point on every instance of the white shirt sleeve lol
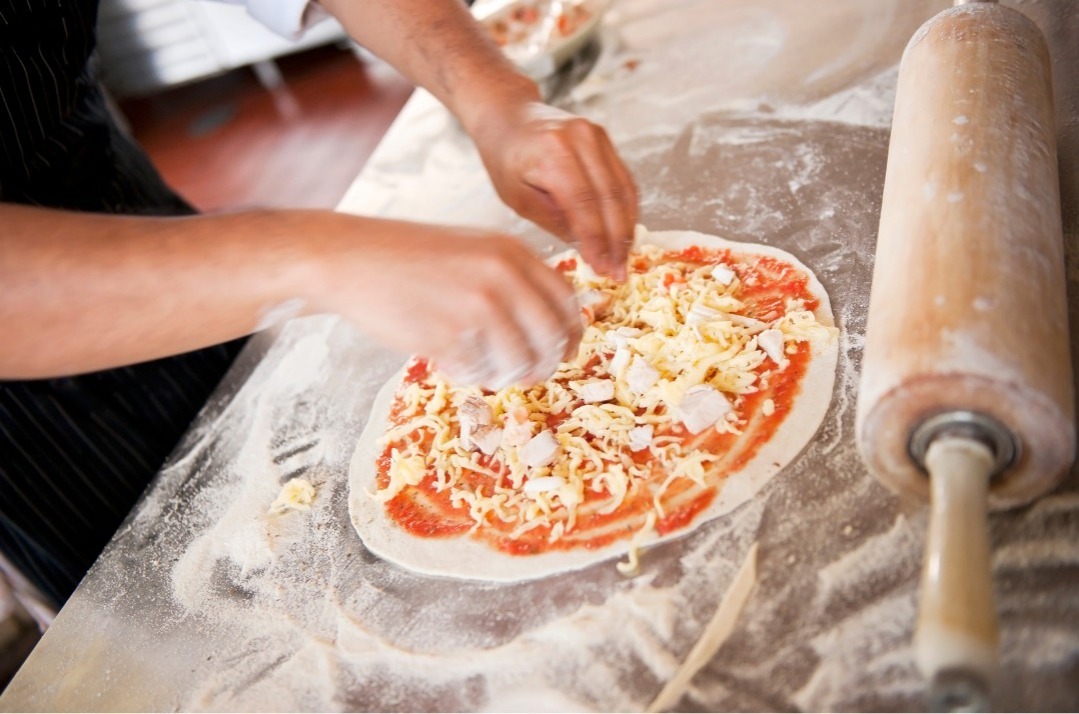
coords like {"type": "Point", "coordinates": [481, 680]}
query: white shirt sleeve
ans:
{"type": "Point", "coordinates": [288, 18]}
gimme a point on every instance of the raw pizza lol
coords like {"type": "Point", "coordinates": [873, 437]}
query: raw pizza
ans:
{"type": "Point", "coordinates": [697, 380]}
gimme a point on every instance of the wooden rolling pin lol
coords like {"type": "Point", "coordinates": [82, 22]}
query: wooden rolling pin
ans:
{"type": "Point", "coordinates": [967, 375]}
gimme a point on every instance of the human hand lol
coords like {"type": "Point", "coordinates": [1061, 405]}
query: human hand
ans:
{"type": "Point", "coordinates": [553, 168]}
{"type": "Point", "coordinates": [562, 172]}
{"type": "Point", "coordinates": [481, 306]}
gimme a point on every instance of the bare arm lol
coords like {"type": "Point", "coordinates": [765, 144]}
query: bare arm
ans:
{"type": "Point", "coordinates": [438, 46]}
{"type": "Point", "coordinates": [83, 292]}
{"type": "Point", "coordinates": [556, 169]}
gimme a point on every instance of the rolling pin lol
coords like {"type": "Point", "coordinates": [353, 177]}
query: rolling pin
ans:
{"type": "Point", "coordinates": [966, 391]}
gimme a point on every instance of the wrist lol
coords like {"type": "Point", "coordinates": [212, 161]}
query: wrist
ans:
{"type": "Point", "coordinates": [326, 244]}
{"type": "Point", "coordinates": [489, 111]}
{"type": "Point", "coordinates": [291, 256]}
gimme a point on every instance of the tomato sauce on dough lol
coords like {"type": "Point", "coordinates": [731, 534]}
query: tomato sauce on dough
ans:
{"type": "Point", "coordinates": [767, 284]}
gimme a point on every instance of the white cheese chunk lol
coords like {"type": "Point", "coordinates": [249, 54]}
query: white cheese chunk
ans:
{"type": "Point", "coordinates": [542, 485]}
{"type": "Point", "coordinates": [474, 412]}
{"type": "Point", "coordinates": [701, 313]}
{"type": "Point", "coordinates": [598, 391]}
{"type": "Point", "coordinates": [595, 305]}
{"type": "Point", "coordinates": [585, 274]}
{"type": "Point", "coordinates": [640, 437]}
{"type": "Point", "coordinates": [621, 337]}
{"type": "Point", "coordinates": [594, 302]}
{"type": "Point", "coordinates": [771, 341]}
{"type": "Point", "coordinates": [722, 274]}
{"type": "Point", "coordinates": [620, 359]}
{"type": "Point", "coordinates": [541, 450]}
{"type": "Point", "coordinates": [518, 428]}
{"type": "Point", "coordinates": [701, 408]}
{"type": "Point", "coordinates": [751, 323]}
{"type": "Point", "coordinates": [486, 438]}
{"type": "Point", "coordinates": [641, 376]}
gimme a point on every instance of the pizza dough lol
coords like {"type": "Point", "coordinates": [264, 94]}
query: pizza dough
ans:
{"type": "Point", "coordinates": [467, 557]}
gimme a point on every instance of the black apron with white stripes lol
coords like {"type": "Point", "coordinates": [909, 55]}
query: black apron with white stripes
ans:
{"type": "Point", "coordinates": [75, 453]}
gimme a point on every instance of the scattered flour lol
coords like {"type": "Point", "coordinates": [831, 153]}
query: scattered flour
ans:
{"type": "Point", "coordinates": [299, 616]}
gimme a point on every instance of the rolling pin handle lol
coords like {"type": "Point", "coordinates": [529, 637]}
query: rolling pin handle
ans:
{"type": "Point", "coordinates": [961, 451]}
{"type": "Point", "coordinates": [956, 637]}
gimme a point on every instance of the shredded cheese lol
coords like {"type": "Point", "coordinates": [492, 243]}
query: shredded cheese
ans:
{"type": "Point", "coordinates": [296, 495]}
{"type": "Point", "coordinates": [633, 557]}
{"type": "Point", "coordinates": [677, 330]}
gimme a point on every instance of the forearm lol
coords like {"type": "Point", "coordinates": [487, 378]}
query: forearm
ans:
{"type": "Point", "coordinates": [558, 170]}
{"type": "Point", "coordinates": [83, 292]}
{"type": "Point", "coordinates": [438, 46]}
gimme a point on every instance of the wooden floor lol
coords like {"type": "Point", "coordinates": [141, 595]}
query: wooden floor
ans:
{"type": "Point", "coordinates": [231, 143]}
{"type": "Point", "coordinates": [228, 143]}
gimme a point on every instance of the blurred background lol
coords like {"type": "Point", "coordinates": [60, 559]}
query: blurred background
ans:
{"type": "Point", "coordinates": [235, 115]}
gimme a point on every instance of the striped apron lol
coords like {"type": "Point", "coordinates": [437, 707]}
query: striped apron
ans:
{"type": "Point", "coordinates": [76, 452]}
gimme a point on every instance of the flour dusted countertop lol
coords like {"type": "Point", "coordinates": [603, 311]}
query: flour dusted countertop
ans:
{"type": "Point", "coordinates": [764, 122]}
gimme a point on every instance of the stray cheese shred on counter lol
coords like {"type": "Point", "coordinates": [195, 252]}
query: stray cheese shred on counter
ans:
{"type": "Point", "coordinates": [296, 495]}
{"type": "Point", "coordinates": [683, 372]}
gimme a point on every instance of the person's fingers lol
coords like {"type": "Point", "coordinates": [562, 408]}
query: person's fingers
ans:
{"type": "Point", "coordinates": [593, 194]}
{"type": "Point", "coordinates": [548, 338]}
{"type": "Point", "coordinates": [511, 340]}
{"type": "Point", "coordinates": [562, 175]}
{"type": "Point", "coordinates": [562, 172]}
{"type": "Point", "coordinates": [631, 204]}
{"type": "Point", "coordinates": [617, 198]}
{"type": "Point", "coordinates": [483, 307]}
{"type": "Point", "coordinates": [495, 286]}
{"type": "Point", "coordinates": [564, 301]}
{"type": "Point", "coordinates": [496, 353]}
{"type": "Point", "coordinates": [552, 319]}
{"type": "Point", "coordinates": [543, 302]}
{"type": "Point", "coordinates": [467, 358]}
